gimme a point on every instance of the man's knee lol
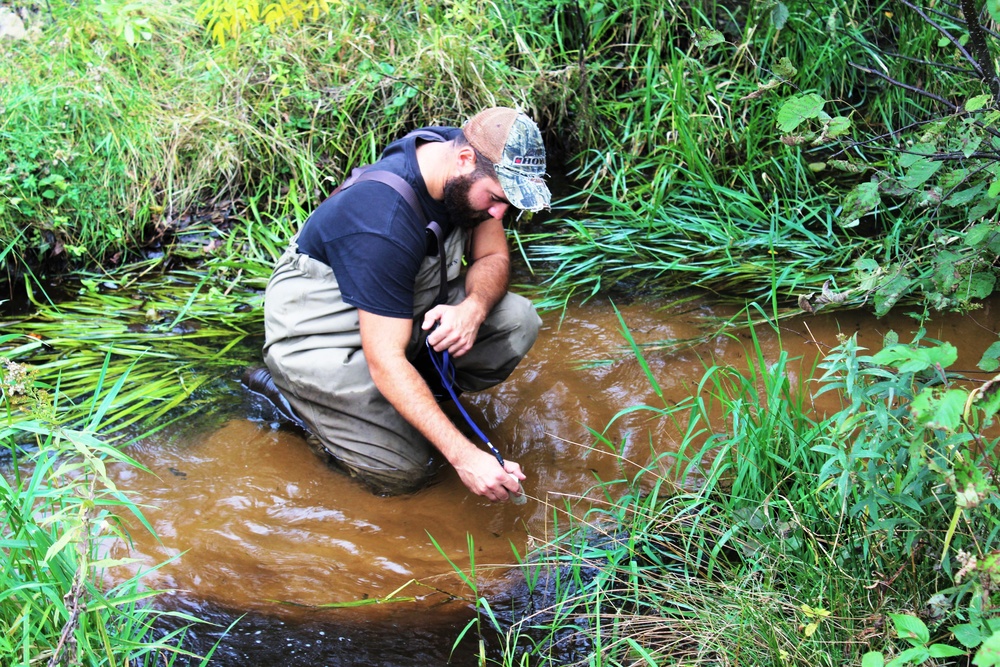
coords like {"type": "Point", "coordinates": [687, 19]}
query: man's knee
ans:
{"type": "Point", "coordinates": [395, 482]}
{"type": "Point", "coordinates": [400, 475]}
{"type": "Point", "coordinates": [516, 319]}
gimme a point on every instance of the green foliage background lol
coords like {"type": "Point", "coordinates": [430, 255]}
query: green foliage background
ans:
{"type": "Point", "coordinates": [729, 146]}
{"type": "Point", "coordinates": [803, 154]}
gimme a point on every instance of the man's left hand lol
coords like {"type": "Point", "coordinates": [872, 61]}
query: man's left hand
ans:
{"type": "Point", "coordinates": [457, 327]}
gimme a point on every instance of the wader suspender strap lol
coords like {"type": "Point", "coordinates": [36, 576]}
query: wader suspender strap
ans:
{"type": "Point", "coordinates": [405, 191]}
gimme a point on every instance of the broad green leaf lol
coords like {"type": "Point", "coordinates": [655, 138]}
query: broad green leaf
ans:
{"type": "Point", "coordinates": [916, 153]}
{"type": "Point", "coordinates": [935, 409]}
{"type": "Point", "coordinates": [944, 651]}
{"type": "Point", "coordinates": [988, 654]}
{"type": "Point", "coordinates": [967, 635]}
{"type": "Point", "coordinates": [988, 397]}
{"type": "Point", "coordinates": [993, 7]}
{"type": "Point", "coordinates": [866, 264]}
{"type": "Point", "coordinates": [915, 656]}
{"type": "Point", "coordinates": [872, 659]}
{"type": "Point", "coordinates": [979, 101]}
{"type": "Point", "coordinates": [867, 278]}
{"type": "Point", "coordinates": [864, 197]}
{"type": "Point", "coordinates": [945, 354]}
{"type": "Point", "coordinates": [837, 126]}
{"type": "Point", "coordinates": [978, 233]}
{"type": "Point", "coordinates": [991, 358]}
{"type": "Point", "coordinates": [706, 37]}
{"type": "Point", "coordinates": [798, 109]}
{"type": "Point", "coordinates": [910, 627]}
{"type": "Point", "coordinates": [920, 173]}
{"type": "Point", "coordinates": [952, 179]}
{"type": "Point", "coordinates": [848, 166]}
{"type": "Point", "coordinates": [979, 285]}
{"type": "Point", "coordinates": [971, 144]}
{"type": "Point", "coordinates": [963, 197]}
{"type": "Point", "coordinates": [909, 359]}
{"type": "Point", "coordinates": [946, 272]}
{"type": "Point", "coordinates": [785, 69]}
{"type": "Point", "coordinates": [988, 206]}
{"type": "Point", "coordinates": [891, 292]}
{"type": "Point", "coordinates": [779, 15]}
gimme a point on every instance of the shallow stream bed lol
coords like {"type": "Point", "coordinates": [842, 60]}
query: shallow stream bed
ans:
{"type": "Point", "coordinates": [258, 526]}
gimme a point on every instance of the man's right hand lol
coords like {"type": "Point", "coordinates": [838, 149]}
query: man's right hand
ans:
{"type": "Point", "coordinates": [384, 341]}
{"type": "Point", "coordinates": [481, 474]}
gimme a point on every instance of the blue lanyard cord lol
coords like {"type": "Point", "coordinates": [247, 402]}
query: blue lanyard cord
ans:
{"type": "Point", "coordinates": [446, 369]}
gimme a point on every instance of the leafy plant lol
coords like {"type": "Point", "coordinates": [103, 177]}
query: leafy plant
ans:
{"type": "Point", "coordinates": [912, 630]}
{"type": "Point", "coordinates": [929, 182]}
{"type": "Point", "coordinates": [59, 511]}
{"type": "Point", "coordinates": [231, 18]}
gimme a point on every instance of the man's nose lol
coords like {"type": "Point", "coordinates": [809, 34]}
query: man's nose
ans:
{"type": "Point", "coordinates": [497, 210]}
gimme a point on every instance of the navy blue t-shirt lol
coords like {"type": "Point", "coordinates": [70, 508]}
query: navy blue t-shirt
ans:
{"type": "Point", "coordinates": [372, 239]}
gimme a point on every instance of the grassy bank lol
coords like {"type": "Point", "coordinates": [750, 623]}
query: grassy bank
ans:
{"type": "Point", "coordinates": [808, 152]}
{"type": "Point", "coordinates": [124, 121]}
{"type": "Point", "coordinates": [60, 511]}
{"type": "Point", "coordinates": [866, 536]}
{"type": "Point", "coordinates": [759, 150]}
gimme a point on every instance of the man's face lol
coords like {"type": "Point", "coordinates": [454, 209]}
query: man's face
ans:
{"type": "Point", "coordinates": [471, 199]}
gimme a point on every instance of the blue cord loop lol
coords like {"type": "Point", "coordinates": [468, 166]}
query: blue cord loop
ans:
{"type": "Point", "coordinates": [446, 370]}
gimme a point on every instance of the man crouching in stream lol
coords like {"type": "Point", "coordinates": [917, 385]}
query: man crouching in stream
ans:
{"type": "Point", "coordinates": [354, 301]}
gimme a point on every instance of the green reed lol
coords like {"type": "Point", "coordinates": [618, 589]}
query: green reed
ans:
{"type": "Point", "coordinates": [171, 337]}
{"type": "Point", "coordinates": [760, 538]}
{"type": "Point", "coordinates": [60, 514]}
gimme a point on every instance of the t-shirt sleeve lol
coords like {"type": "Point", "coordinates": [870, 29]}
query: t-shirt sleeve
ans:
{"type": "Point", "coordinates": [375, 244]}
{"type": "Point", "coordinates": [375, 274]}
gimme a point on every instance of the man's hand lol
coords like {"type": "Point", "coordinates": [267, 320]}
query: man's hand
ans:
{"type": "Point", "coordinates": [485, 284]}
{"type": "Point", "coordinates": [482, 475]}
{"type": "Point", "coordinates": [457, 327]}
{"type": "Point", "coordinates": [384, 340]}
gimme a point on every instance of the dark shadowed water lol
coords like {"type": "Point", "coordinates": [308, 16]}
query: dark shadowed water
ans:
{"type": "Point", "coordinates": [259, 527]}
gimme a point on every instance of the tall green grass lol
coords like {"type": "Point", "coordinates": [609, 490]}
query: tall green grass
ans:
{"type": "Point", "coordinates": [60, 514]}
{"type": "Point", "coordinates": [115, 142]}
{"type": "Point", "coordinates": [688, 181]}
{"type": "Point", "coordinates": [774, 535]}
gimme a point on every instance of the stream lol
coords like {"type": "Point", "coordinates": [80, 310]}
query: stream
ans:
{"type": "Point", "coordinates": [322, 573]}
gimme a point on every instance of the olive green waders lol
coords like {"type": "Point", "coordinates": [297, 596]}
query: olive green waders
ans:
{"type": "Point", "coordinates": [313, 351]}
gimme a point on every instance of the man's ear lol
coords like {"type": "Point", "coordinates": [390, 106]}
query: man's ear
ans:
{"type": "Point", "coordinates": [465, 160]}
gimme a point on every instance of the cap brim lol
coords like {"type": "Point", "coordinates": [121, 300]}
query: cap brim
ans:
{"type": "Point", "coordinates": [524, 192]}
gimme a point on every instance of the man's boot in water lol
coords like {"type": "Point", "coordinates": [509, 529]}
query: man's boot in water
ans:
{"type": "Point", "coordinates": [259, 383]}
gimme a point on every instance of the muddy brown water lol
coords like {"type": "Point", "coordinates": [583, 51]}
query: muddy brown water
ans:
{"type": "Point", "coordinates": [259, 527]}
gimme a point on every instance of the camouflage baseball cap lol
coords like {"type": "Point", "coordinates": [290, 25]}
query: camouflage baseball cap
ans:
{"type": "Point", "coordinates": [512, 142]}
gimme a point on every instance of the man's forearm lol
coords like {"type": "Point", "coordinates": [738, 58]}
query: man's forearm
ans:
{"type": "Point", "coordinates": [408, 392]}
{"type": "Point", "coordinates": [384, 341]}
{"type": "Point", "coordinates": [486, 282]}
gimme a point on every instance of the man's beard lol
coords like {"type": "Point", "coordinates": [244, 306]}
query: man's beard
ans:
{"type": "Point", "coordinates": [456, 202]}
